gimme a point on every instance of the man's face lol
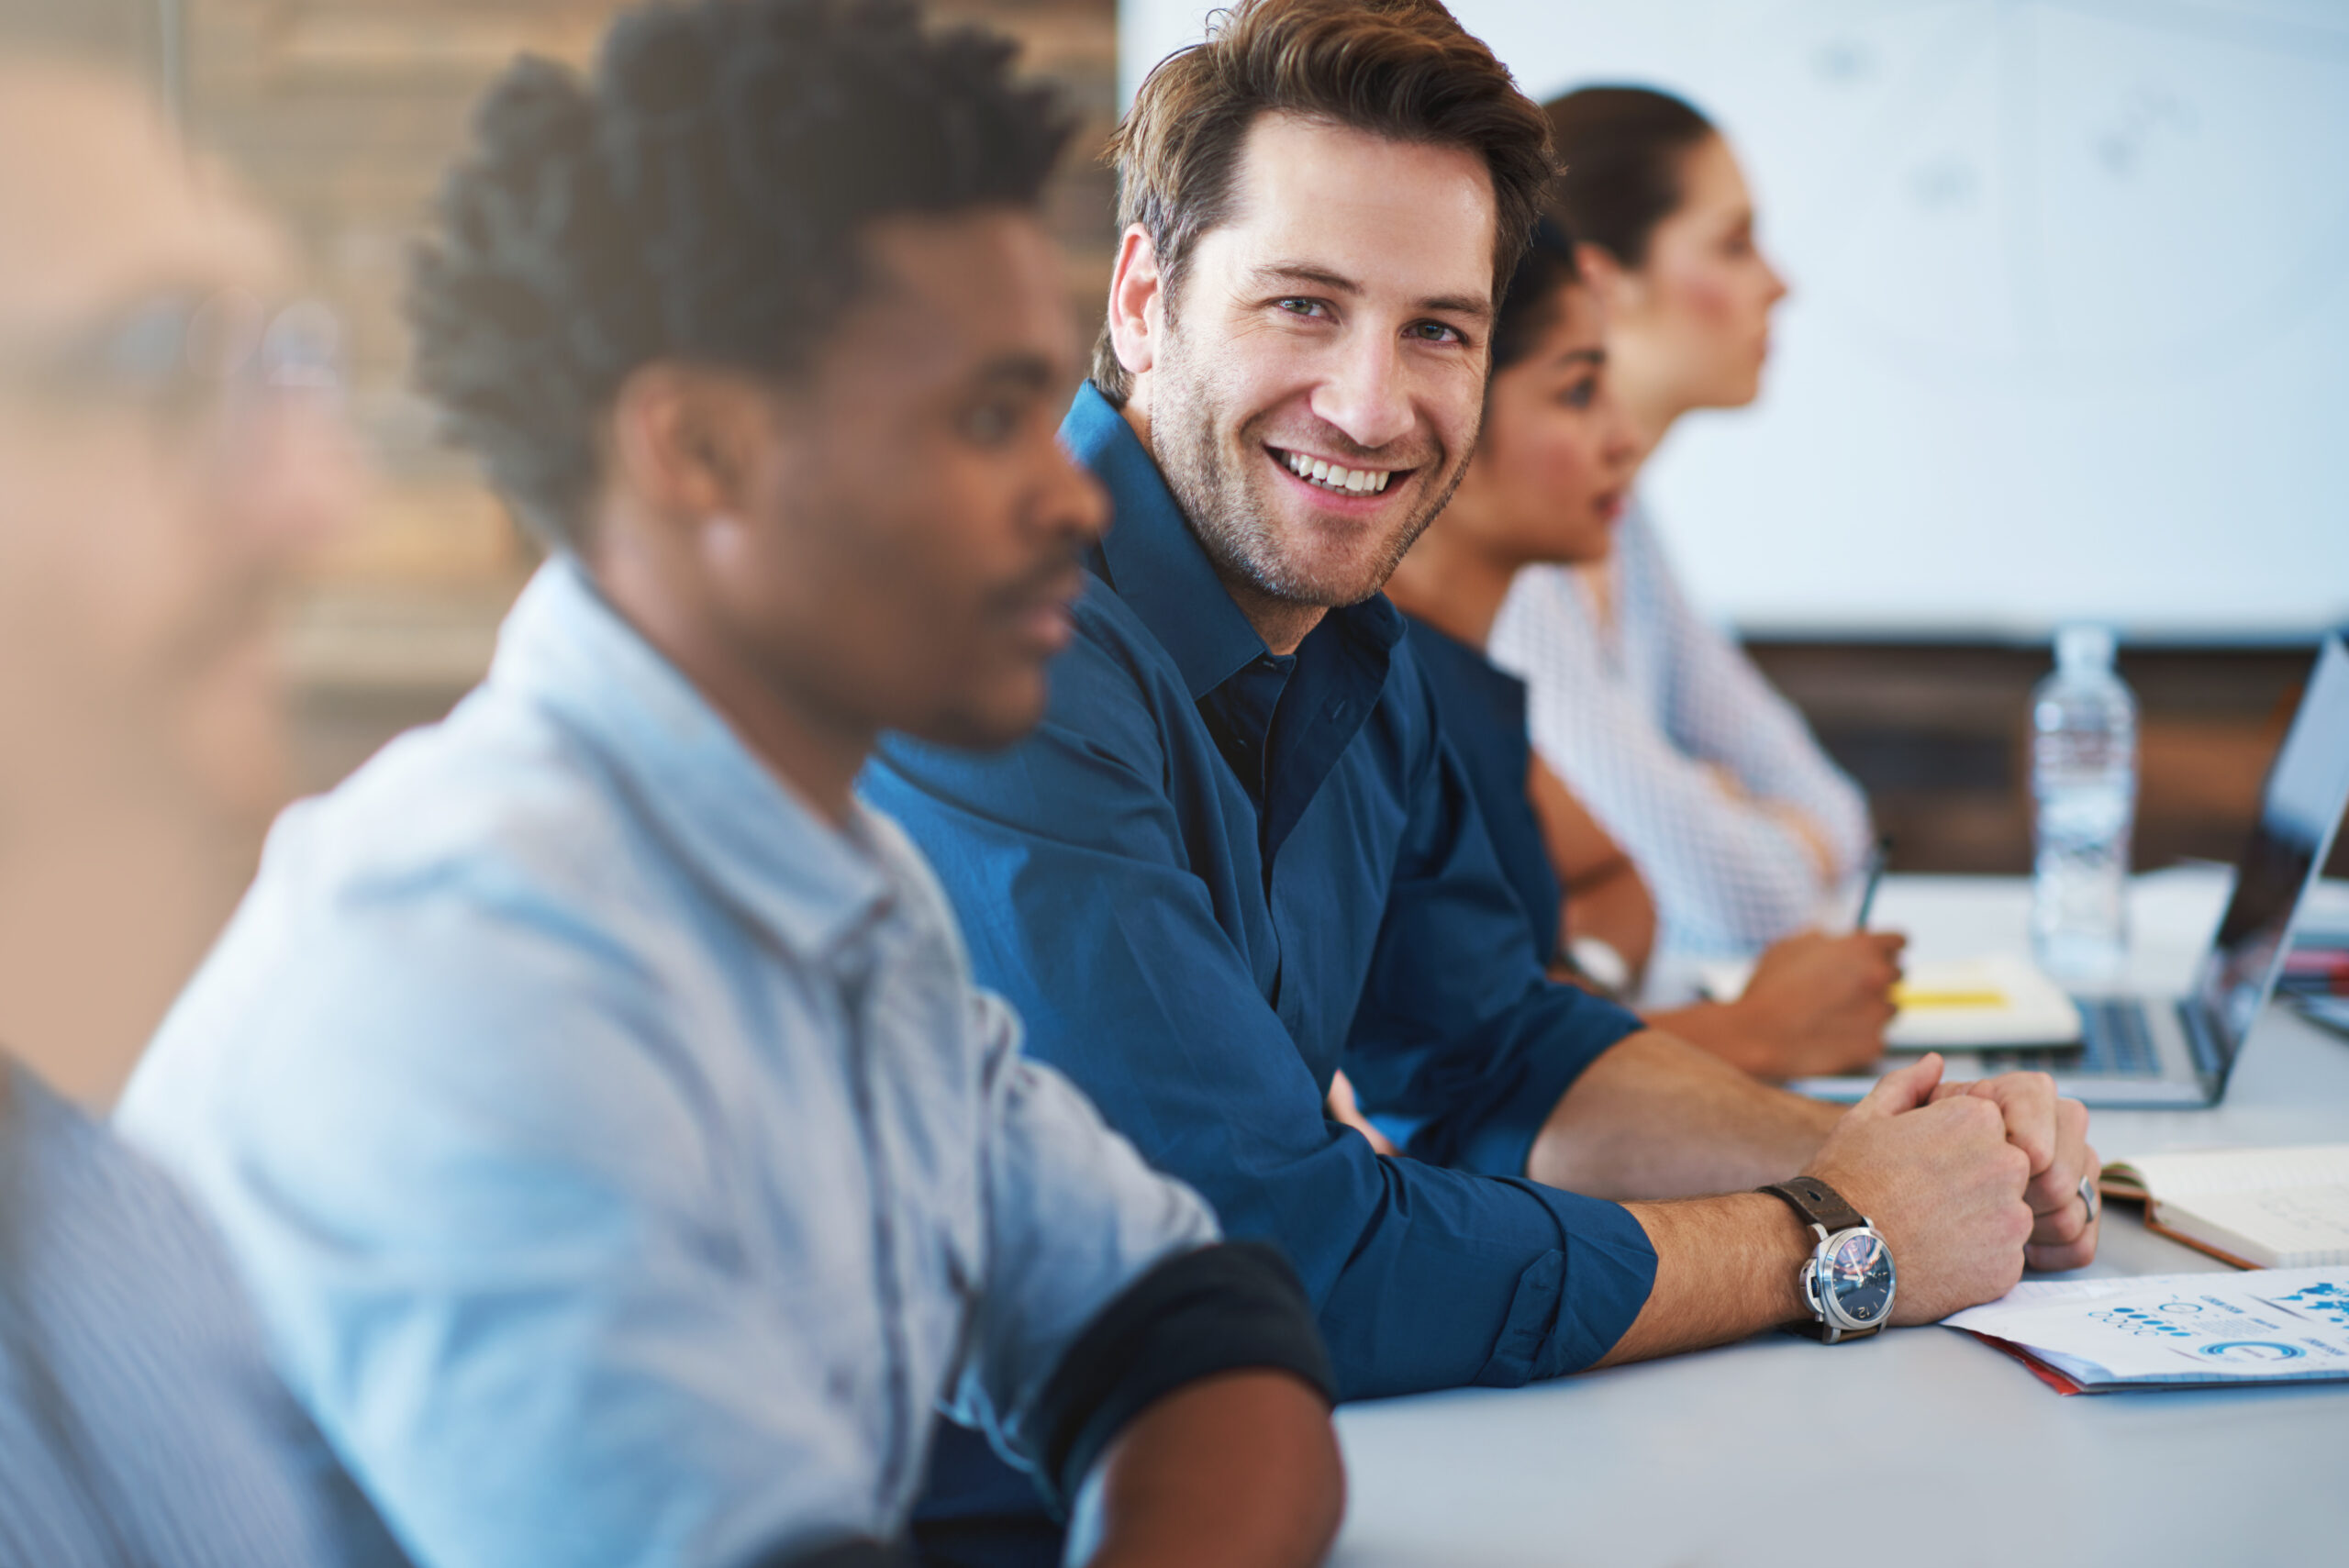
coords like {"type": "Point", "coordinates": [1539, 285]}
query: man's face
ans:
{"type": "Point", "coordinates": [147, 513]}
{"type": "Point", "coordinates": [915, 544]}
{"type": "Point", "coordinates": [1320, 373]}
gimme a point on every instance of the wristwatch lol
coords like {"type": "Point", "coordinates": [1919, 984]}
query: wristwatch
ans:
{"type": "Point", "coordinates": [1594, 959]}
{"type": "Point", "coordinates": [1848, 1280]}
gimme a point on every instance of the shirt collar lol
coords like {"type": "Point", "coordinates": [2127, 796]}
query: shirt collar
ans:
{"type": "Point", "coordinates": [1154, 560]}
{"type": "Point", "coordinates": [566, 650]}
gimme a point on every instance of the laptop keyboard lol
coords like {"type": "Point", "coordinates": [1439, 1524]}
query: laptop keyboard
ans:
{"type": "Point", "coordinates": [2115, 1041]}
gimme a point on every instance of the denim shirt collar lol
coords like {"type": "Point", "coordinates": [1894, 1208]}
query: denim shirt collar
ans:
{"type": "Point", "coordinates": [566, 650]}
{"type": "Point", "coordinates": [1150, 555]}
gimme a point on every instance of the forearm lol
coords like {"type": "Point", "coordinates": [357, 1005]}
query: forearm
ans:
{"type": "Point", "coordinates": [1655, 1117]}
{"type": "Point", "coordinates": [1725, 1268]}
{"type": "Point", "coordinates": [1719, 1029]}
{"type": "Point", "coordinates": [1242, 1468]}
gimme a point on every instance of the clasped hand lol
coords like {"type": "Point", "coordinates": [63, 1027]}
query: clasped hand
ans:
{"type": "Point", "coordinates": [1969, 1182]}
{"type": "Point", "coordinates": [2053, 1132]}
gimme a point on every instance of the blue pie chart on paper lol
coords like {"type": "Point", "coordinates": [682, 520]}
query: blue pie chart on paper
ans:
{"type": "Point", "coordinates": [2252, 1351]}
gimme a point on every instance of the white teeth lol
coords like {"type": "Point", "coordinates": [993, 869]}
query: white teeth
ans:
{"type": "Point", "coordinates": [1332, 476]}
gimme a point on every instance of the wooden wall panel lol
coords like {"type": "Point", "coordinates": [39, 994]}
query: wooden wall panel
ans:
{"type": "Point", "coordinates": [1938, 735]}
{"type": "Point", "coordinates": [343, 114]}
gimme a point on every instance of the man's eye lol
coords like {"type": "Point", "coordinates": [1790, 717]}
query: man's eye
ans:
{"type": "Point", "coordinates": [1434, 332]}
{"type": "Point", "coordinates": [1301, 306]}
{"type": "Point", "coordinates": [990, 424]}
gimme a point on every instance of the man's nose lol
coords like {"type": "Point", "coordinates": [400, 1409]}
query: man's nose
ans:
{"type": "Point", "coordinates": [1622, 447]}
{"type": "Point", "coordinates": [1365, 396]}
{"type": "Point", "coordinates": [295, 477]}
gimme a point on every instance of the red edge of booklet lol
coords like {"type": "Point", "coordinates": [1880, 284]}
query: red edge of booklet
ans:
{"type": "Point", "coordinates": [2047, 1374]}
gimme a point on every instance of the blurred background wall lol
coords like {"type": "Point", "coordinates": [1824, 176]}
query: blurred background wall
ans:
{"type": "Point", "coordinates": [343, 111]}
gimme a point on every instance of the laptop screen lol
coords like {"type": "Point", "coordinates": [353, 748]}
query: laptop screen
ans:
{"type": "Point", "coordinates": [2299, 811]}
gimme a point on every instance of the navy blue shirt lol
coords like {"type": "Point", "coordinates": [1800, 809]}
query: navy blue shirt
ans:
{"type": "Point", "coordinates": [1212, 877]}
{"type": "Point", "coordinates": [1482, 708]}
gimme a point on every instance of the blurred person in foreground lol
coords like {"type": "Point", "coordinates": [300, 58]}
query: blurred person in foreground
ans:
{"type": "Point", "coordinates": [150, 507]}
{"type": "Point", "coordinates": [161, 457]}
{"type": "Point", "coordinates": [594, 1092]}
{"type": "Point", "coordinates": [1548, 483]}
{"type": "Point", "coordinates": [1659, 724]}
{"type": "Point", "coordinates": [1240, 853]}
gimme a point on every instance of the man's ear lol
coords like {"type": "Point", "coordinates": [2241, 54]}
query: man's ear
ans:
{"type": "Point", "coordinates": [684, 440]}
{"type": "Point", "coordinates": [1137, 302]}
{"type": "Point", "coordinates": [1618, 288]}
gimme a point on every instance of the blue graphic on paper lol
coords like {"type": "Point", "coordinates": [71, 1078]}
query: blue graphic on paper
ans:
{"type": "Point", "coordinates": [2250, 1350]}
{"type": "Point", "coordinates": [2324, 1301]}
{"type": "Point", "coordinates": [2137, 1321]}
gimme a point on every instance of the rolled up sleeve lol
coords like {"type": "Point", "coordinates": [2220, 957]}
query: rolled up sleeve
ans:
{"type": "Point", "coordinates": [1074, 1215]}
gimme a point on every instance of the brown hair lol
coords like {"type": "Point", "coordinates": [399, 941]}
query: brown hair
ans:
{"type": "Point", "coordinates": [1399, 69]}
{"type": "Point", "coordinates": [1623, 148]}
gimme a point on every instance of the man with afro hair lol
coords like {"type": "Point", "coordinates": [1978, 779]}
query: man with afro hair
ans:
{"type": "Point", "coordinates": [594, 1092]}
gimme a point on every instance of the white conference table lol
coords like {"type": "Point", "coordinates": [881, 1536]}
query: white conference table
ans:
{"type": "Point", "coordinates": [1921, 1446]}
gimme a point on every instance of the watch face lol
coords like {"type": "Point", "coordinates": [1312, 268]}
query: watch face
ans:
{"type": "Point", "coordinates": [1858, 1273]}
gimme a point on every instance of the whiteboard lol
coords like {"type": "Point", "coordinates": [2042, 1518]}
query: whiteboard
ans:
{"type": "Point", "coordinates": [2070, 330]}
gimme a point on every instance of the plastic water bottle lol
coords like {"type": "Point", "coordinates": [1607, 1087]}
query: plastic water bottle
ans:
{"type": "Point", "coordinates": [2084, 789]}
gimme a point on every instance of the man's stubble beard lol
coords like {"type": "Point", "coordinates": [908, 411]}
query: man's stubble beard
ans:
{"type": "Point", "coordinates": [1226, 513]}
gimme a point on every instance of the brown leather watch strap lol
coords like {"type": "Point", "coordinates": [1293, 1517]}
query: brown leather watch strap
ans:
{"type": "Point", "coordinates": [1822, 1205]}
{"type": "Point", "coordinates": [1817, 1203]}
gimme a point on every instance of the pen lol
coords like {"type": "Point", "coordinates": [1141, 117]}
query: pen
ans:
{"type": "Point", "coordinates": [1875, 876]}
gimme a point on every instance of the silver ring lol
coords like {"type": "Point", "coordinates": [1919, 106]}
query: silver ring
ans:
{"type": "Point", "coordinates": [2090, 1196]}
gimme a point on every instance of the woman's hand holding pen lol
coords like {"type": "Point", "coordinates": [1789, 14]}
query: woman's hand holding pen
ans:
{"type": "Point", "coordinates": [1819, 1003]}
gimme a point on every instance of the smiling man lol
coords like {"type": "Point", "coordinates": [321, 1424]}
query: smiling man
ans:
{"type": "Point", "coordinates": [1308, 501]}
{"type": "Point", "coordinates": [595, 1094]}
{"type": "Point", "coordinates": [1238, 854]}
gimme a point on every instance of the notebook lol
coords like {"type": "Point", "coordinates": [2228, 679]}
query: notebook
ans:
{"type": "Point", "coordinates": [2257, 1208]}
{"type": "Point", "coordinates": [2332, 1012]}
{"type": "Point", "coordinates": [1997, 999]}
{"type": "Point", "coordinates": [2102, 1336]}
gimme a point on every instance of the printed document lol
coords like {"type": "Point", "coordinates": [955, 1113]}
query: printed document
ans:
{"type": "Point", "coordinates": [2163, 1331]}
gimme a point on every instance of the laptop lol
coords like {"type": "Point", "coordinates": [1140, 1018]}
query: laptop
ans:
{"type": "Point", "coordinates": [2154, 1050]}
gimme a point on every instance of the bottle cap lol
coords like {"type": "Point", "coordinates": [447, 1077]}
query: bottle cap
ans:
{"type": "Point", "coordinates": [2083, 649]}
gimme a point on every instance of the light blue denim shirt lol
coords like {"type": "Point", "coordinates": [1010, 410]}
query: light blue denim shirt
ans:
{"type": "Point", "coordinates": [622, 1158]}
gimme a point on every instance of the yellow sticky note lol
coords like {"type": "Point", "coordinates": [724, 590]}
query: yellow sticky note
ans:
{"type": "Point", "coordinates": [1906, 996]}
